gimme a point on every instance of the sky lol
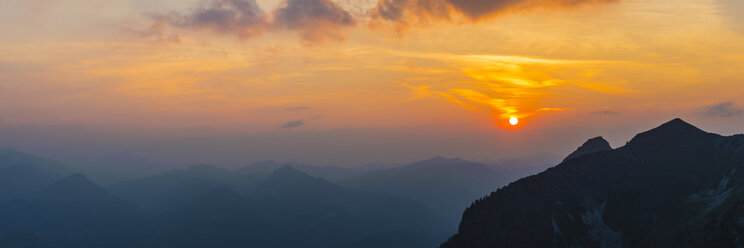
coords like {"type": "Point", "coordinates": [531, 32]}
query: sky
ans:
{"type": "Point", "coordinates": [349, 82]}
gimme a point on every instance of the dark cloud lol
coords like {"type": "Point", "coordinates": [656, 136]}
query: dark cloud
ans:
{"type": "Point", "coordinates": [408, 12]}
{"type": "Point", "coordinates": [605, 112]}
{"type": "Point", "coordinates": [243, 18]}
{"type": "Point", "coordinates": [318, 20]}
{"type": "Point", "coordinates": [477, 9]}
{"type": "Point", "coordinates": [725, 109]}
{"type": "Point", "coordinates": [315, 20]}
{"type": "Point", "coordinates": [293, 124]}
{"type": "Point", "coordinates": [411, 12]}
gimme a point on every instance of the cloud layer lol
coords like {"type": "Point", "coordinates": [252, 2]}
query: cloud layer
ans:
{"type": "Point", "coordinates": [241, 17]}
{"type": "Point", "coordinates": [314, 20]}
{"type": "Point", "coordinates": [418, 12]}
{"type": "Point", "coordinates": [319, 20]}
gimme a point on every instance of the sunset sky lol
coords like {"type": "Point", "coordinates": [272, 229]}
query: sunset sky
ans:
{"type": "Point", "coordinates": [349, 82]}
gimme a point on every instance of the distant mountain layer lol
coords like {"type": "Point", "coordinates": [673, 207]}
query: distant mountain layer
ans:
{"type": "Point", "coordinates": [672, 186]}
{"type": "Point", "coordinates": [267, 204]}
{"type": "Point", "coordinates": [202, 206]}
{"type": "Point", "coordinates": [22, 173]}
{"type": "Point", "coordinates": [72, 212]}
{"type": "Point", "coordinates": [116, 167]}
{"type": "Point", "coordinates": [331, 173]}
{"type": "Point", "coordinates": [446, 185]}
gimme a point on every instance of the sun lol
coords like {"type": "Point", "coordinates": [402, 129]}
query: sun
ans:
{"type": "Point", "coordinates": [513, 121]}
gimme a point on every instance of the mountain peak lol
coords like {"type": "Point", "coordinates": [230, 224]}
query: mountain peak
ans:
{"type": "Point", "coordinates": [678, 123]}
{"type": "Point", "coordinates": [73, 186]}
{"type": "Point", "coordinates": [74, 180]}
{"type": "Point", "coordinates": [290, 182]}
{"type": "Point", "coordinates": [677, 126]}
{"type": "Point", "coordinates": [439, 160]}
{"type": "Point", "coordinates": [288, 170]}
{"type": "Point", "coordinates": [288, 174]}
{"type": "Point", "coordinates": [674, 131]}
{"type": "Point", "coordinates": [593, 145]}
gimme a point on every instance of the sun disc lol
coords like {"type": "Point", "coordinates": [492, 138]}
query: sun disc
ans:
{"type": "Point", "coordinates": [513, 121]}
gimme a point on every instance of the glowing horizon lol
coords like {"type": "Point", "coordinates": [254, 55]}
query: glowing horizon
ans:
{"type": "Point", "coordinates": [459, 72]}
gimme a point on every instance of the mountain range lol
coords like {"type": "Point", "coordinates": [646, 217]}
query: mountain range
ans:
{"type": "Point", "coordinates": [201, 206]}
{"type": "Point", "coordinates": [672, 186]}
{"type": "Point", "coordinates": [446, 185]}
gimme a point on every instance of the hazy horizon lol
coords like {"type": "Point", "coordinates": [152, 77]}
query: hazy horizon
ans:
{"type": "Point", "coordinates": [344, 83]}
{"type": "Point", "coordinates": [345, 148]}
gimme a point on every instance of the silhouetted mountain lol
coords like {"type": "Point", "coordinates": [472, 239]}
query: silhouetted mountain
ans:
{"type": "Point", "coordinates": [331, 173]}
{"type": "Point", "coordinates": [22, 173]}
{"type": "Point", "coordinates": [591, 146]}
{"type": "Point", "coordinates": [374, 167]}
{"type": "Point", "coordinates": [357, 215]}
{"type": "Point", "coordinates": [173, 188]}
{"type": "Point", "coordinates": [672, 186]}
{"type": "Point", "coordinates": [287, 182]}
{"type": "Point", "coordinates": [445, 185]}
{"type": "Point", "coordinates": [207, 206]}
{"type": "Point", "coordinates": [117, 167]}
{"type": "Point", "coordinates": [73, 189]}
{"type": "Point", "coordinates": [72, 212]}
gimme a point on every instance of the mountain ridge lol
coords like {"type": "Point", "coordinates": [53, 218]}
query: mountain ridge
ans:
{"type": "Point", "coordinates": [447, 185]}
{"type": "Point", "coordinates": [593, 145]}
{"type": "Point", "coordinates": [669, 182]}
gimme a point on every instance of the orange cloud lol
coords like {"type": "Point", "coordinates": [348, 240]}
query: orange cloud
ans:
{"type": "Point", "coordinates": [507, 86]}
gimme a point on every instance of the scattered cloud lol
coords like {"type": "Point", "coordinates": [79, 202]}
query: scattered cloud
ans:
{"type": "Point", "coordinates": [293, 124]}
{"type": "Point", "coordinates": [725, 109]}
{"type": "Point", "coordinates": [403, 13]}
{"type": "Point", "coordinates": [243, 18]}
{"type": "Point", "coordinates": [315, 20]}
{"type": "Point", "coordinates": [319, 20]}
